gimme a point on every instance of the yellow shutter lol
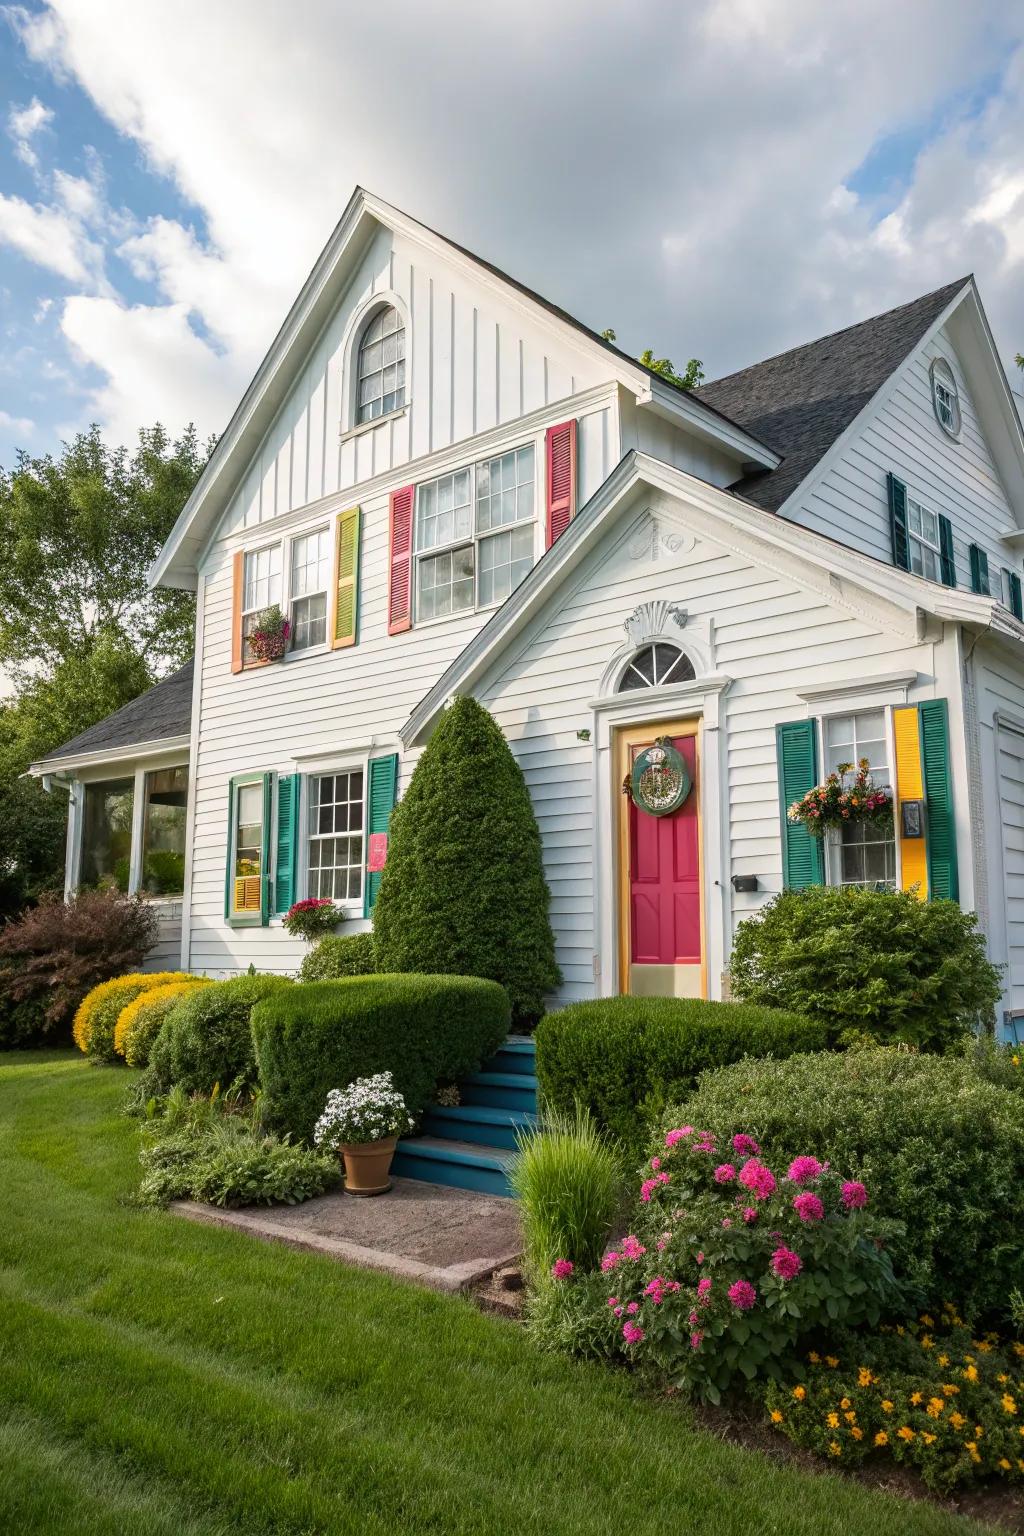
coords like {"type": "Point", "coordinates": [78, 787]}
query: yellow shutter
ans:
{"type": "Point", "coordinates": [909, 786]}
{"type": "Point", "coordinates": [248, 893]}
{"type": "Point", "coordinates": [345, 597]}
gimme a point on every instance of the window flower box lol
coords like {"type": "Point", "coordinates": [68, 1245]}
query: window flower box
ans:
{"type": "Point", "coordinates": [268, 638]}
{"type": "Point", "coordinates": [843, 801]}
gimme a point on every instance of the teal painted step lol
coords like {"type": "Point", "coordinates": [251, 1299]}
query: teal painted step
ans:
{"type": "Point", "coordinates": [478, 1123]}
{"type": "Point", "coordinates": [500, 1090]}
{"type": "Point", "coordinates": [458, 1164]}
{"type": "Point", "coordinates": [516, 1055]}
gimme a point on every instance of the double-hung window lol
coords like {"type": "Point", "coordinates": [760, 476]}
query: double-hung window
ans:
{"type": "Point", "coordinates": [923, 538]}
{"type": "Point", "coordinates": [310, 575]}
{"type": "Point", "coordinates": [250, 832]}
{"type": "Point", "coordinates": [334, 837]}
{"type": "Point", "coordinates": [261, 588]}
{"type": "Point", "coordinates": [475, 534]}
{"type": "Point", "coordinates": [865, 854]}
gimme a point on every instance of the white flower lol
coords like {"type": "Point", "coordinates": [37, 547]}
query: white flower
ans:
{"type": "Point", "coordinates": [369, 1109]}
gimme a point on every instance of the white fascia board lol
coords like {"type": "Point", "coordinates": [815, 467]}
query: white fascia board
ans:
{"type": "Point", "coordinates": [680, 408]}
{"type": "Point", "coordinates": [993, 399]}
{"type": "Point", "coordinates": [168, 746]}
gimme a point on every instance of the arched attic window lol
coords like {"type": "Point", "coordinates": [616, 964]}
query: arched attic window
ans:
{"type": "Point", "coordinates": [655, 666]}
{"type": "Point", "coordinates": [380, 368]}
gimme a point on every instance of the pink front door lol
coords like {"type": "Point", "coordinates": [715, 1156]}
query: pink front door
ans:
{"type": "Point", "coordinates": [664, 892]}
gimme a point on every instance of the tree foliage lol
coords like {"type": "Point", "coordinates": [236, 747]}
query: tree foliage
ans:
{"type": "Point", "coordinates": [463, 890]}
{"type": "Point", "coordinates": [691, 376]}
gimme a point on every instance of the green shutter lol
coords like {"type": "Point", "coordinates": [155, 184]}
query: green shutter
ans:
{"type": "Point", "coordinates": [286, 862]}
{"type": "Point", "coordinates": [380, 802]}
{"type": "Point", "coordinates": [979, 571]}
{"type": "Point", "coordinates": [797, 749]}
{"type": "Point", "coordinates": [252, 915]}
{"type": "Point", "coordinates": [898, 522]}
{"type": "Point", "coordinates": [943, 880]}
{"type": "Point", "coordinates": [1016, 596]}
{"type": "Point", "coordinates": [946, 551]}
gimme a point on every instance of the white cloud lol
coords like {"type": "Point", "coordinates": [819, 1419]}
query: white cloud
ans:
{"type": "Point", "coordinates": [23, 123]}
{"type": "Point", "coordinates": [20, 424]}
{"type": "Point", "coordinates": [50, 238]}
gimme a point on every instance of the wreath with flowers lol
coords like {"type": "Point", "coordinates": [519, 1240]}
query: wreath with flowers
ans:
{"type": "Point", "coordinates": [843, 800]}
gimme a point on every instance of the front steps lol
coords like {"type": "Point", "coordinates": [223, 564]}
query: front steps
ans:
{"type": "Point", "coordinates": [469, 1145]}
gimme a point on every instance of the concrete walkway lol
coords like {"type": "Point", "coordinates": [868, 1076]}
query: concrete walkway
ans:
{"type": "Point", "coordinates": [444, 1238]}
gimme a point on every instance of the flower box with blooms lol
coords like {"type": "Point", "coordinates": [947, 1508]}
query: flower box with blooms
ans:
{"type": "Point", "coordinates": [842, 800]}
{"type": "Point", "coordinates": [732, 1263]}
{"type": "Point", "coordinates": [312, 919]}
{"type": "Point", "coordinates": [268, 638]}
{"type": "Point", "coordinates": [364, 1122]}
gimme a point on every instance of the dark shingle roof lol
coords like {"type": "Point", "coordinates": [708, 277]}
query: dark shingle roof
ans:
{"type": "Point", "coordinates": [800, 401]}
{"type": "Point", "coordinates": [164, 710]}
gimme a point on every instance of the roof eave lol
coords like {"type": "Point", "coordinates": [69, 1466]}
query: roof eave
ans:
{"type": "Point", "coordinates": [129, 752]}
{"type": "Point", "coordinates": [682, 409]}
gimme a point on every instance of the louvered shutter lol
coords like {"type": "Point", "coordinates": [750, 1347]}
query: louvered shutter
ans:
{"type": "Point", "coordinates": [345, 601]}
{"type": "Point", "coordinates": [286, 859]}
{"type": "Point", "coordinates": [561, 478]}
{"type": "Point", "coordinates": [898, 522]}
{"type": "Point", "coordinates": [979, 571]}
{"type": "Point", "coordinates": [1016, 597]}
{"type": "Point", "coordinates": [247, 898]}
{"type": "Point", "coordinates": [380, 802]}
{"type": "Point", "coordinates": [797, 750]}
{"type": "Point", "coordinates": [237, 596]}
{"type": "Point", "coordinates": [946, 557]}
{"type": "Point", "coordinates": [400, 567]}
{"type": "Point", "coordinates": [943, 879]}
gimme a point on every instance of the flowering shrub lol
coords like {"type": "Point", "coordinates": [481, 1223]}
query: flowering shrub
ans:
{"type": "Point", "coordinates": [369, 1109]}
{"type": "Point", "coordinates": [312, 919]}
{"type": "Point", "coordinates": [840, 800]}
{"type": "Point", "coordinates": [96, 1017]}
{"type": "Point", "coordinates": [732, 1263]}
{"type": "Point", "coordinates": [932, 1395]}
{"type": "Point", "coordinates": [268, 638]}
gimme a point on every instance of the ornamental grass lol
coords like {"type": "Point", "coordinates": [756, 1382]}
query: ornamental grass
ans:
{"type": "Point", "coordinates": [566, 1178]}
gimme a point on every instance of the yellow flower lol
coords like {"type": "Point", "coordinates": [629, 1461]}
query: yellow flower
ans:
{"type": "Point", "coordinates": [814, 1357]}
{"type": "Point", "coordinates": [916, 1398]}
{"type": "Point", "coordinates": [851, 1417]}
{"type": "Point", "coordinates": [881, 1438]}
{"type": "Point", "coordinates": [834, 1448]}
{"type": "Point", "coordinates": [978, 1431]}
{"type": "Point", "coordinates": [799, 1393]}
{"type": "Point", "coordinates": [927, 1438]}
{"type": "Point", "coordinates": [1018, 1350]}
{"type": "Point", "coordinates": [1015, 1060]}
{"type": "Point", "coordinates": [927, 1342]}
{"type": "Point", "coordinates": [1020, 1465]}
{"type": "Point", "coordinates": [968, 1359]}
{"type": "Point", "coordinates": [865, 1378]}
{"type": "Point", "coordinates": [844, 1402]}
{"type": "Point", "coordinates": [983, 1345]}
{"type": "Point", "coordinates": [942, 1359]}
{"type": "Point", "coordinates": [949, 1389]}
{"type": "Point", "coordinates": [831, 1360]}
{"type": "Point", "coordinates": [900, 1329]}
{"type": "Point", "coordinates": [935, 1407]}
{"type": "Point", "coordinates": [957, 1420]}
{"type": "Point", "coordinates": [929, 1322]}
{"type": "Point", "coordinates": [971, 1373]}
{"type": "Point", "coordinates": [1002, 1378]}
{"type": "Point", "coordinates": [1009, 1405]}
{"type": "Point", "coordinates": [776, 1416]}
{"type": "Point", "coordinates": [905, 1432]}
{"type": "Point", "coordinates": [857, 1432]}
{"type": "Point", "coordinates": [832, 1421]}
{"type": "Point", "coordinates": [972, 1450]}
{"type": "Point", "coordinates": [886, 1405]}
{"type": "Point", "coordinates": [1006, 1465]}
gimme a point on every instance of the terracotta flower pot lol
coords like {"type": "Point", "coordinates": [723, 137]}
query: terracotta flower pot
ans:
{"type": "Point", "coordinates": [367, 1165]}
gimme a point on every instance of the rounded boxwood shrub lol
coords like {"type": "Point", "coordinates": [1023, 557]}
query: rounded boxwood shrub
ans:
{"type": "Point", "coordinates": [880, 963]}
{"type": "Point", "coordinates": [96, 1017]}
{"type": "Point", "coordinates": [139, 1023]}
{"type": "Point", "coordinates": [206, 1040]}
{"type": "Point", "coordinates": [339, 955]}
{"type": "Point", "coordinates": [624, 1058]}
{"type": "Point", "coordinates": [463, 890]}
{"type": "Point", "coordinates": [940, 1148]}
{"type": "Point", "coordinates": [312, 1038]}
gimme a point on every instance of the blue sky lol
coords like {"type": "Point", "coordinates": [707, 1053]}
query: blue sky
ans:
{"type": "Point", "coordinates": [722, 179]}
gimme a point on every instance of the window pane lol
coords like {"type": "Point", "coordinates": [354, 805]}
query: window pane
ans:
{"type": "Point", "coordinates": [163, 833]}
{"type": "Point", "coordinates": [107, 833]}
{"type": "Point", "coordinates": [249, 831]}
{"type": "Point", "coordinates": [380, 370]}
{"type": "Point", "coordinates": [505, 559]}
{"type": "Point", "coordinates": [504, 489]}
{"type": "Point", "coordinates": [335, 863]}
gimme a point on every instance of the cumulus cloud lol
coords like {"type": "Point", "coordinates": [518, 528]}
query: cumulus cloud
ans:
{"type": "Point", "coordinates": [23, 123]}
{"type": "Point", "coordinates": [20, 424]}
{"type": "Point", "coordinates": [51, 238]}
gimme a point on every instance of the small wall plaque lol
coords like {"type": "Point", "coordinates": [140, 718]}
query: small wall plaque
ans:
{"type": "Point", "coordinates": [744, 882]}
{"type": "Point", "coordinates": [377, 851]}
{"type": "Point", "coordinates": [912, 818]}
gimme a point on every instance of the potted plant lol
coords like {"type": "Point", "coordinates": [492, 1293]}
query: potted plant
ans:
{"type": "Point", "coordinates": [841, 801]}
{"type": "Point", "coordinates": [312, 919]}
{"type": "Point", "coordinates": [268, 638]}
{"type": "Point", "coordinates": [364, 1122]}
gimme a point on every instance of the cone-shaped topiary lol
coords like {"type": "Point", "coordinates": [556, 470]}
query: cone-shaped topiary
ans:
{"type": "Point", "coordinates": [463, 891]}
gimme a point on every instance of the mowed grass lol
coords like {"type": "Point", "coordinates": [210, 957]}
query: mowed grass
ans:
{"type": "Point", "coordinates": [161, 1377]}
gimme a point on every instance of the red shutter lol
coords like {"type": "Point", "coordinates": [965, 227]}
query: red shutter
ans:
{"type": "Point", "coordinates": [400, 591]}
{"type": "Point", "coordinates": [561, 460]}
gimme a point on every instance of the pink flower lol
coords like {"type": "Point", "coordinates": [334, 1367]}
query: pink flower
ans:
{"type": "Point", "coordinates": [742, 1295]}
{"type": "Point", "coordinates": [758, 1178]}
{"type": "Point", "coordinates": [647, 1189]}
{"type": "Point", "coordinates": [725, 1173]}
{"type": "Point", "coordinates": [749, 1214]}
{"type": "Point", "coordinates": [853, 1194]}
{"type": "Point", "coordinates": [703, 1290]}
{"type": "Point", "coordinates": [700, 1257]}
{"type": "Point", "coordinates": [705, 1143]}
{"type": "Point", "coordinates": [726, 1221]}
{"type": "Point", "coordinates": [633, 1308]}
{"type": "Point", "coordinates": [786, 1264]}
{"type": "Point", "coordinates": [632, 1333]}
{"type": "Point", "coordinates": [609, 1261]}
{"type": "Point", "coordinates": [745, 1145]}
{"type": "Point", "coordinates": [696, 1339]}
{"type": "Point", "coordinates": [661, 1245]}
{"type": "Point", "coordinates": [562, 1269]}
{"type": "Point", "coordinates": [808, 1207]}
{"type": "Point", "coordinates": [693, 1318]}
{"type": "Point", "coordinates": [804, 1170]}
{"type": "Point", "coordinates": [673, 1136]}
{"type": "Point", "coordinates": [618, 1311]}
{"type": "Point", "coordinates": [613, 1301]}
{"type": "Point", "coordinates": [632, 1248]}
{"type": "Point", "coordinates": [655, 1163]}
{"type": "Point", "coordinates": [656, 1290]}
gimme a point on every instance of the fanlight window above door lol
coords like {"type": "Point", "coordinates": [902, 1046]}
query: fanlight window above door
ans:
{"type": "Point", "coordinates": [656, 665]}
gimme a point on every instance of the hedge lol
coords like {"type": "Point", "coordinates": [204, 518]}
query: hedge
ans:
{"type": "Point", "coordinates": [312, 1038]}
{"type": "Point", "coordinates": [350, 954]}
{"type": "Point", "coordinates": [139, 1023]}
{"type": "Point", "coordinates": [96, 1017]}
{"type": "Point", "coordinates": [939, 1147]}
{"type": "Point", "coordinates": [206, 1041]}
{"type": "Point", "coordinates": [624, 1058]}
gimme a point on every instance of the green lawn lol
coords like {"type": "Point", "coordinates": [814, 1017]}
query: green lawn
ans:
{"type": "Point", "coordinates": [161, 1377]}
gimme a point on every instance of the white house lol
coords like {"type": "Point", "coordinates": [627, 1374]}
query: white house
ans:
{"type": "Point", "coordinates": [449, 485]}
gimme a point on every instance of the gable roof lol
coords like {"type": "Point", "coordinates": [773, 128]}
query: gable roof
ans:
{"type": "Point", "coordinates": [801, 401]}
{"type": "Point", "coordinates": [162, 713]}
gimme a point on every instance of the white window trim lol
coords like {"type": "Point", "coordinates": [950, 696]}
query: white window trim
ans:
{"type": "Point", "coordinates": [321, 767]}
{"type": "Point", "coordinates": [76, 816]}
{"type": "Point", "coordinates": [941, 374]}
{"type": "Point", "coordinates": [349, 425]}
{"type": "Point", "coordinates": [475, 538]}
{"type": "Point", "coordinates": [240, 781]}
{"type": "Point", "coordinates": [917, 538]}
{"type": "Point", "coordinates": [837, 711]}
{"type": "Point", "coordinates": [289, 542]}
{"type": "Point", "coordinates": [253, 551]}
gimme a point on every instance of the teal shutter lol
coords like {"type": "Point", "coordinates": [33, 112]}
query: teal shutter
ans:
{"type": "Point", "coordinates": [797, 748]}
{"type": "Point", "coordinates": [898, 522]}
{"type": "Point", "coordinates": [286, 862]}
{"type": "Point", "coordinates": [946, 551]}
{"type": "Point", "coordinates": [380, 802]}
{"type": "Point", "coordinates": [943, 879]}
{"type": "Point", "coordinates": [979, 571]}
{"type": "Point", "coordinates": [1016, 597]}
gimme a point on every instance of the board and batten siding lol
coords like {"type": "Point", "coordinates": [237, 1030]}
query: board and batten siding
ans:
{"type": "Point", "coordinates": [958, 479]}
{"type": "Point", "coordinates": [771, 635]}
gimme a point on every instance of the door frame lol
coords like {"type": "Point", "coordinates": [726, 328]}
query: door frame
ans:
{"type": "Point", "coordinates": [627, 736]}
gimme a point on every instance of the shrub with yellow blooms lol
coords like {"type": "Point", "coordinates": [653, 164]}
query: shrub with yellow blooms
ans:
{"type": "Point", "coordinates": [139, 1023]}
{"type": "Point", "coordinates": [98, 1012]}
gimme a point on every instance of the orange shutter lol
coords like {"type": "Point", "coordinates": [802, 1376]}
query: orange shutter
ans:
{"type": "Point", "coordinates": [561, 468]}
{"type": "Point", "coordinates": [238, 580]}
{"type": "Point", "coordinates": [400, 588]}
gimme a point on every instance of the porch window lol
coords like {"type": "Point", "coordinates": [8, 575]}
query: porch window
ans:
{"type": "Point", "coordinates": [335, 836]}
{"type": "Point", "coordinates": [310, 575]}
{"type": "Point", "coordinates": [475, 534]}
{"type": "Point", "coordinates": [163, 832]}
{"type": "Point", "coordinates": [107, 833]}
{"type": "Point", "coordinates": [655, 666]}
{"type": "Point", "coordinates": [865, 854]}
